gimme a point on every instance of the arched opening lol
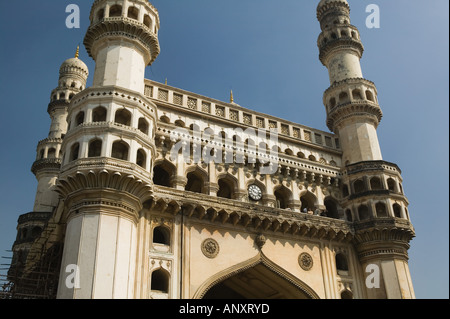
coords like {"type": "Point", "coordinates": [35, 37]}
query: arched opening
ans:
{"type": "Point", "coordinates": [226, 188]}
{"type": "Point", "coordinates": [165, 119]}
{"type": "Point", "coordinates": [147, 21]}
{"type": "Point", "coordinates": [332, 102]}
{"type": "Point", "coordinates": [375, 183]}
{"type": "Point", "coordinates": [51, 153]}
{"type": "Point", "coordinates": [363, 212]}
{"type": "Point", "coordinates": [260, 280]}
{"type": "Point", "coordinates": [369, 96]}
{"type": "Point", "coordinates": [120, 150]}
{"type": "Point", "coordinates": [143, 125]}
{"type": "Point", "coordinates": [115, 11]}
{"type": "Point", "coordinates": [123, 117]}
{"type": "Point", "coordinates": [100, 14]}
{"type": "Point", "coordinates": [312, 158]}
{"type": "Point", "coordinates": [283, 197]}
{"type": "Point", "coordinates": [308, 202]}
{"type": "Point", "coordinates": [288, 151]}
{"type": "Point", "coordinates": [79, 119]}
{"type": "Point", "coordinates": [74, 152]}
{"type": "Point", "coordinates": [161, 235]}
{"type": "Point", "coordinates": [343, 98]}
{"type": "Point", "coordinates": [300, 155]}
{"type": "Point", "coordinates": [195, 183]}
{"type": "Point", "coordinates": [356, 93]}
{"type": "Point", "coordinates": [397, 210]}
{"type": "Point", "coordinates": [163, 173]}
{"type": "Point", "coordinates": [99, 114]}
{"type": "Point", "coordinates": [160, 281]}
{"type": "Point", "coordinates": [341, 264]}
{"type": "Point", "coordinates": [331, 208]}
{"type": "Point", "coordinates": [161, 177]}
{"type": "Point", "coordinates": [179, 123]}
{"type": "Point", "coordinates": [141, 158]}
{"type": "Point", "coordinates": [381, 210]}
{"type": "Point", "coordinates": [346, 295]}
{"type": "Point", "coordinates": [95, 148]}
{"type": "Point", "coordinates": [36, 231]}
{"type": "Point", "coordinates": [391, 184]}
{"type": "Point", "coordinates": [41, 154]}
{"type": "Point", "coordinates": [133, 13]}
{"type": "Point", "coordinates": [359, 186]}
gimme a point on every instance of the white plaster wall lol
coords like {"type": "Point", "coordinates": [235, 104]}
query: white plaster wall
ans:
{"type": "Point", "coordinates": [359, 142]}
{"type": "Point", "coordinates": [344, 65]}
{"type": "Point", "coordinates": [105, 253]}
{"type": "Point", "coordinates": [121, 66]}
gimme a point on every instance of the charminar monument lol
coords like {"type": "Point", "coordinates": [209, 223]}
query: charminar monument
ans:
{"type": "Point", "coordinates": [147, 191]}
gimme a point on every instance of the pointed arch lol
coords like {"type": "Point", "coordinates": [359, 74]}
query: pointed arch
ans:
{"type": "Point", "coordinates": [259, 260]}
{"type": "Point", "coordinates": [228, 185]}
{"type": "Point", "coordinates": [283, 196]}
{"type": "Point", "coordinates": [308, 201]}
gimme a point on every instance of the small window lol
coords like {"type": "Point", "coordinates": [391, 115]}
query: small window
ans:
{"type": "Point", "coordinates": [359, 186]}
{"type": "Point", "coordinates": [74, 151]}
{"type": "Point", "coordinates": [99, 114]}
{"type": "Point", "coordinates": [161, 235]}
{"type": "Point", "coordinates": [397, 210]}
{"type": "Point", "coordinates": [123, 117]}
{"type": "Point", "coordinates": [160, 281]}
{"type": "Point", "coordinates": [115, 11]}
{"type": "Point", "coordinates": [100, 14]}
{"type": "Point", "coordinates": [133, 13]}
{"type": "Point", "coordinates": [51, 153]}
{"type": "Point", "coordinates": [381, 210]}
{"type": "Point", "coordinates": [363, 212]}
{"type": "Point", "coordinates": [141, 158]}
{"type": "Point", "coordinates": [375, 183]}
{"type": "Point", "coordinates": [120, 150]}
{"type": "Point", "coordinates": [369, 96]}
{"type": "Point", "coordinates": [143, 126]}
{"type": "Point", "coordinates": [147, 21]}
{"type": "Point", "coordinates": [79, 119]}
{"type": "Point", "coordinates": [95, 148]}
{"type": "Point", "coordinates": [341, 262]}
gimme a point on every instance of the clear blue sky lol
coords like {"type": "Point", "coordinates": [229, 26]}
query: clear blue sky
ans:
{"type": "Point", "coordinates": [266, 52]}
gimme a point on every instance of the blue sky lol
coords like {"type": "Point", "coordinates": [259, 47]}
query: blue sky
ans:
{"type": "Point", "coordinates": [266, 52]}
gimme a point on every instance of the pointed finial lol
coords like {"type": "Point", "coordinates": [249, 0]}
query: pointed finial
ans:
{"type": "Point", "coordinates": [77, 54]}
{"type": "Point", "coordinates": [231, 97]}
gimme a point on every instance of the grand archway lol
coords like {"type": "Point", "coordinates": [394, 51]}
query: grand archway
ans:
{"type": "Point", "coordinates": [257, 278]}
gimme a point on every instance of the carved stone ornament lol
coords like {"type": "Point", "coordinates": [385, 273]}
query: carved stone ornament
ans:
{"type": "Point", "coordinates": [210, 248]}
{"type": "Point", "coordinates": [260, 240]}
{"type": "Point", "coordinates": [305, 261]}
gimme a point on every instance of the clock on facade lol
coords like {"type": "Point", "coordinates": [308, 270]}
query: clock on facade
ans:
{"type": "Point", "coordinates": [254, 192]}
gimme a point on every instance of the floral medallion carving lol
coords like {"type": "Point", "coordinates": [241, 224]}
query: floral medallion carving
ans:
{"type": "Point", "coordinates": [210, 248]}
{"type": "Point", "coordinates": [305, 261]}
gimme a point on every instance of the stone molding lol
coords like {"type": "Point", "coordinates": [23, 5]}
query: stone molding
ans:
{"type": "Point", "coordinates": [122, 27]}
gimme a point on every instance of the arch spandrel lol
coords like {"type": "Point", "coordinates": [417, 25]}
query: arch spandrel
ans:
{"type": "Point", "coordinates": [284, 284]}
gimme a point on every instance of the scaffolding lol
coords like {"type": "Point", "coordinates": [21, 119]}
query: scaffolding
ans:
{"type": "Point", "coordinates": [37, 277]}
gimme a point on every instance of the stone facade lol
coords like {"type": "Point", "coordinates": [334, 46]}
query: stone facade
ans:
{"type": "Point", "coordinates": [126, 189]}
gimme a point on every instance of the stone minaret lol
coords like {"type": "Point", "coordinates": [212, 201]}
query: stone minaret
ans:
{"type": "Point", "coordinates": [72, 80]}
{"type": "Point", "coordinates": [108, 153]}
{"type": "Point", "coordinates": [372, 188]}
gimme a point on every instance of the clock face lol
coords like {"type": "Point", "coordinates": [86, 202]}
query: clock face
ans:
{"type": "Point", "coordinates": [254, 192]}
